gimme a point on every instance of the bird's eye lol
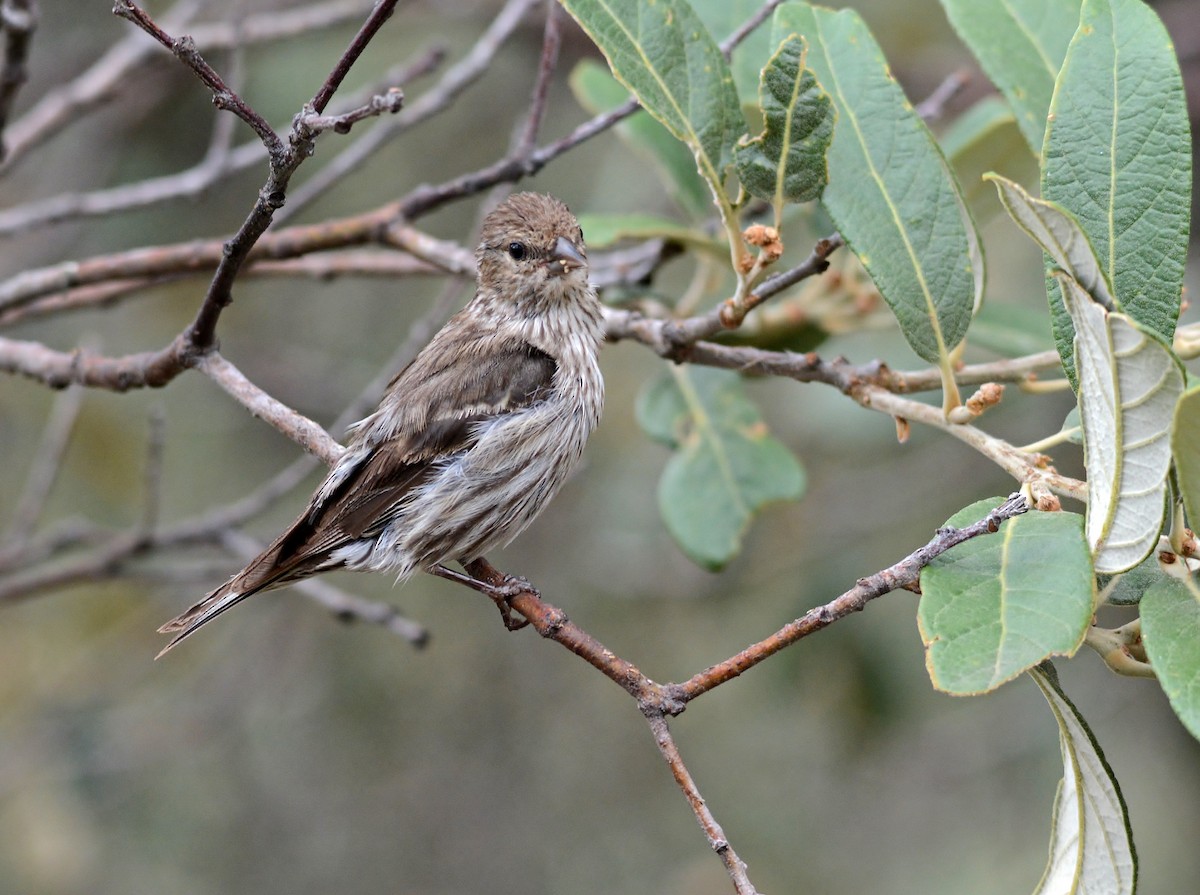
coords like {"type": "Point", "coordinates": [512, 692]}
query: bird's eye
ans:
{"type": "Point", "coordinates": [517, 250]}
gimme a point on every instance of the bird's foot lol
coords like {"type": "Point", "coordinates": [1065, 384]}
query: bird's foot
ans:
{"type": "Point", "coordinates": [499, 587]}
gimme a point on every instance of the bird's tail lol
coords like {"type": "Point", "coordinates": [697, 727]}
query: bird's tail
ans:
{"type": "Point", "coordinates": [187, 623]}
{"type": "Point", "coordinates": [264, 572]}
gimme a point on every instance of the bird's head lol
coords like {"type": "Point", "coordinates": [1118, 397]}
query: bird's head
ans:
{"type": "Point", "coordinates": [532, 244]}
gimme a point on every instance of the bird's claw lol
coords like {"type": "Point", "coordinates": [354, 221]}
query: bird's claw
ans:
{"type": "Point", "coordinates": [502, 594]}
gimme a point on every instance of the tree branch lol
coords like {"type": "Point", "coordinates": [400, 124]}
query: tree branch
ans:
{"type": "Point", "coordinates": [298, 428]}
{"type": "Point", "coordinates": [18, 21]}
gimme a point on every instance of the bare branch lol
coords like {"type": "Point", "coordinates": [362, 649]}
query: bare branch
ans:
{"type": "Point", "coordinates": [1022, 466]}
{"type": "Point", "coordinates": [58, 369]}
{"type": "Point", "coordinates": [84, 568]}
{"type": "Point", "coordinates": [380, 104]}
{"type": "Point", "coordinates": [456, 79]}
{"type": "Point", "coordinates": [218, 162]}
{"type": "Point", "coordinates": [106, 77]}
{"type": "Point", "coordinates": [513, 168]}
{"type": "Point", "coordinates": [551, 40]}
{"type": "Point", "coordinates": [671, 699]}
{"type": "Point", "coordinates": [764, 12]}
{"type": "Point", "coordinates": [730, 313]}
{"type": "Point", "coordinates": [665, 742]}
{"type": "Point", "coordinates": [381, 13]}
{"type": "Point", "coordinates": [47, 464]}
{"type": "Point", "coordinates": [187, 52]}
{"type": "Point", "coordinates": [902, 574]}
{"type": "Point", "coordinates": [298, 428]}
{"type": "Point", "coordinates": [18, 21]}
{"type": "Point", "coordinates": [192, 257]}
{"type": "Point", "coordinates": [934, 106]}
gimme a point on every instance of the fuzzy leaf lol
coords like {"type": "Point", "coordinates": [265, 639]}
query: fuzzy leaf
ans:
{"type": "Point", "coordinates": [1171, 631]}
{"type": "Point", "coordinates": [1118, 156]}
{"type": "Point", "coordinates": [993, 607]}
{"type": "Point", "coordinates": [890, 192]}
{"type": "Point", "coordinates": [726, 465]}
{"type": "Point", "coordinates": [1060, 235]}
{"type": "Point", "coordinates": [1129, 383]}
{"type": "Point", "coordinates": [1091, 843]}
{"type": "Point", "coordinates": [1020, 44]}
{"type": "Point", "coordinates": [663, 53]}
{"type": "Point", "coordinates": [1185, 446]}
{"type": "Point", "coordinates": [786, 162]}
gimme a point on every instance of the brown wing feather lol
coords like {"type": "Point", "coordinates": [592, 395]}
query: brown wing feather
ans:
{"type": "Point", "coordinates": [432, 426]}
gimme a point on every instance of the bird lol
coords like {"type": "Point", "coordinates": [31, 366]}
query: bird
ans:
{"type": "Point", "coordinates": [471, 439]}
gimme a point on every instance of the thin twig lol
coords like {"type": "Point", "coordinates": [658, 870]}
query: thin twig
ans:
{"type": "Point", "coordinates": [285, 158]}
{"type": "Point", "coordinates": [112, 72]}
{"type": "Point", "coordinates": [671, 699]}
{"type": "Point", "coordinates": [298, 428]}
{"type": "Point", "coordinates": [736, 867]}
{"type": "Point", "coordinates": [381, 13]}
{"type": "Point", "coordinates": [18, 21]}
{"type": "Point", "coordinates": [47, 464]}
{"type": "Point", "coordinates": [902, 574]}
{"type": "Point", "coordinates": [192, 257]}
{"type": "Point", "coordinates": [748, 27]}
{"type": "Point", "coordinates": [455, 80]}
{"type": "Point", "coordinates": [219, 161]}
{"type": "Point", "coordinates": [380, 104]}
{"type": "Point", "coordinates": [511, 169]}
{"type": "Point", "coordinates": [729, 314]}
{"type": "Point", "coordinates": [185, 49]}
{"type": "Point", "coordinates": [551, 40]}
{"type": "Point", "coordinates": [1025, 468]}
{"type": "Point", "coordinates": [934, 106]}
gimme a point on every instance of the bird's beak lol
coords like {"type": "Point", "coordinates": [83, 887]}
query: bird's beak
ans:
{"type": "Point", "coordinates": [565, 258]}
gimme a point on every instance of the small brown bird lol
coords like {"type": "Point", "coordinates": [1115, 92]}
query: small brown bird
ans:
{"type": "Point", "coordinates": [472, 438]}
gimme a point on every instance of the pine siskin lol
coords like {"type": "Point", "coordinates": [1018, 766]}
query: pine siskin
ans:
{"type": "Point", "coordinates": [473, 438]}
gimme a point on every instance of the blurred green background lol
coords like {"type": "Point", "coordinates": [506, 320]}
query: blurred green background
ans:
{"type": "Point", "coordinates": [281, 751]}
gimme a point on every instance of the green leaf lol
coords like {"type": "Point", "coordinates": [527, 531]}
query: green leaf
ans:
{"type": "Point", "coordinates": [1128, 588]}
{"type": "Point", "coordinates": [1171, 632]}
{"type": "Point", "coordinates": [890, 192]}
{"type": "Point", "coordinates": [597, 91]}
{"type": "Point", "coordinates": [986, 138]}
{"type": "Point", "coordinates": [1091, 843]}
{"type": "Point", "coordinates": [1185, 446]}
{"type": "Point", "coordinates": [663, 53]}
{"type": "Point", "coordinates": [786, 163]}
{"type": "Point", "coordinates": [603, 230]}
{"type": "Point", "coordinates": [1118, 156]}
{"type": "Point", "coordinates": [995, 606]}
{"type": "Point", "coordinates": [1061, 237]}
{"type": "Point", "coordinates": [1129, 383]}
{"type": "Point", "coordinates": [726, 466]}
{"type": "Point", "coordinates": [1020, 44]}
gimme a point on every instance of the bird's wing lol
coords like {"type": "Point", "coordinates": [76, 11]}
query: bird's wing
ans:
{"type": "Point", "coordinates": [441, 407]}
{"type": "Point", "coordinates": [439, 400]}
